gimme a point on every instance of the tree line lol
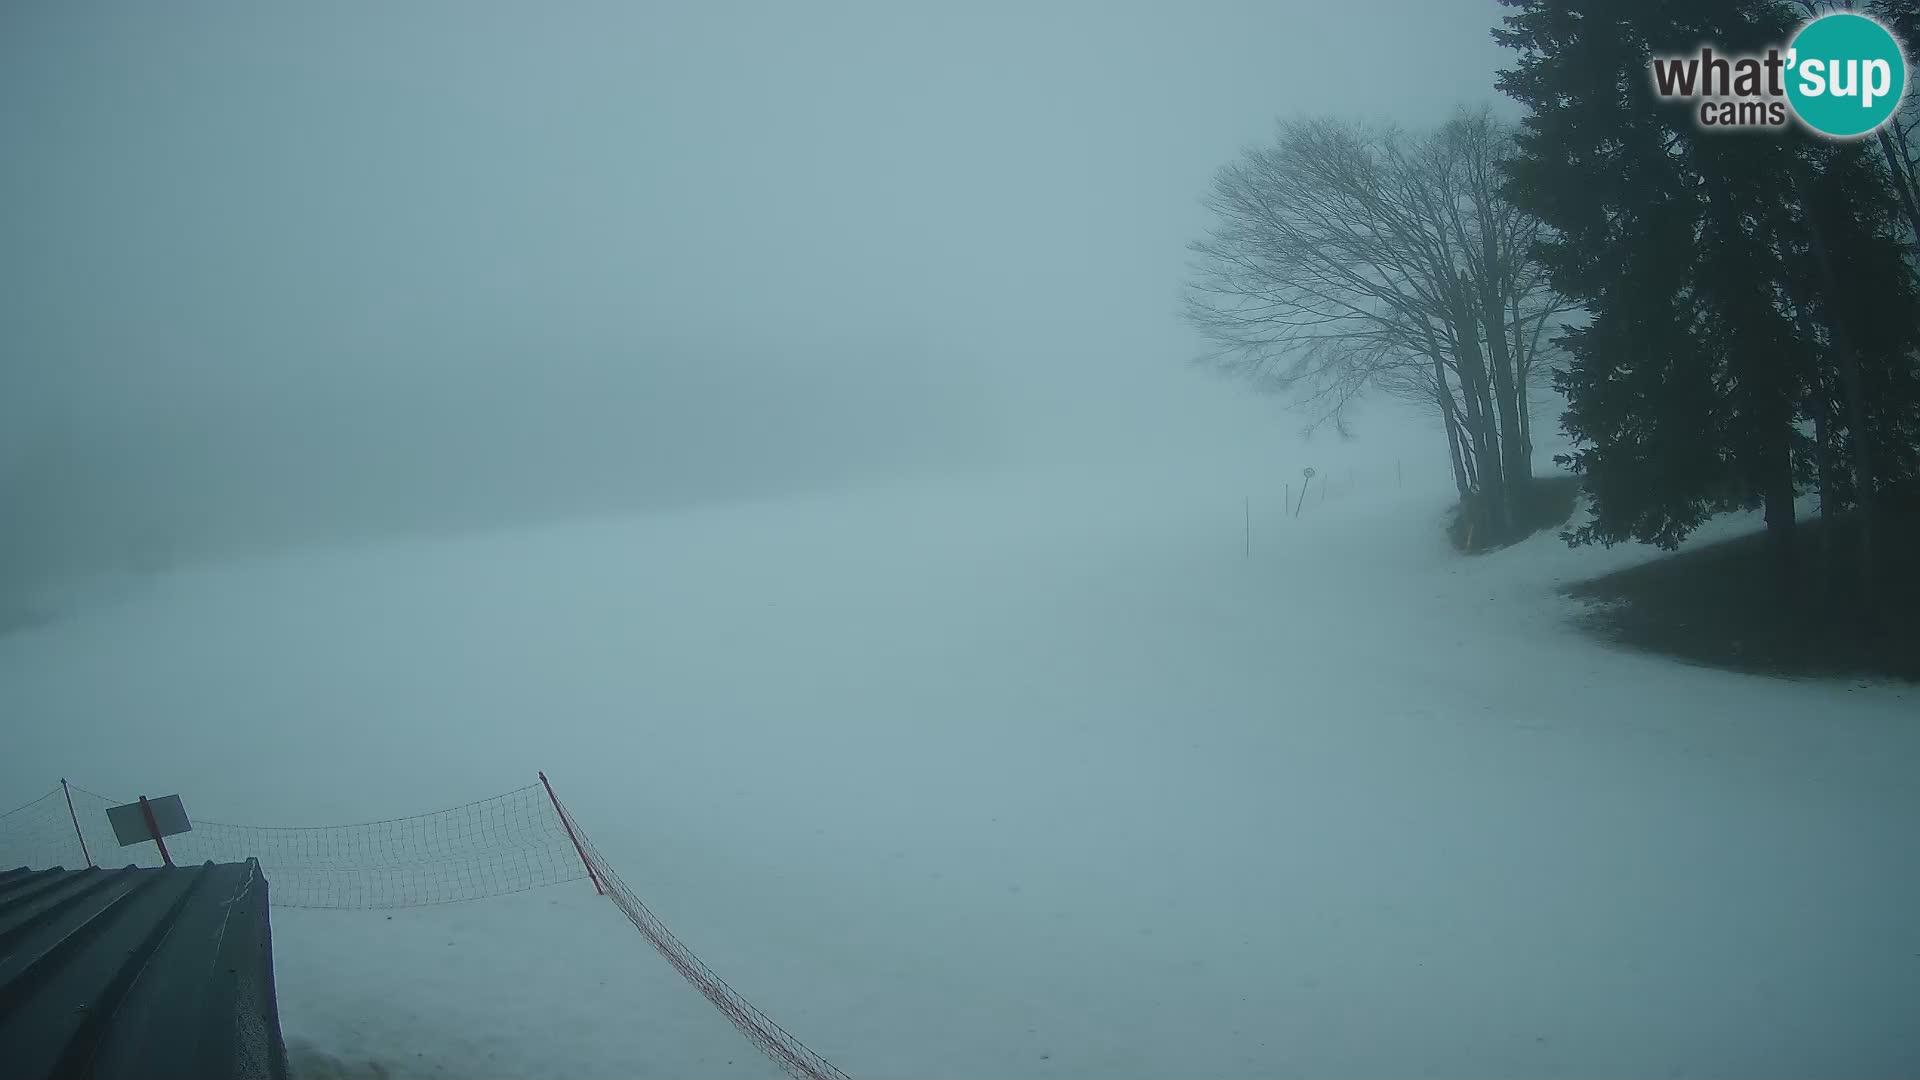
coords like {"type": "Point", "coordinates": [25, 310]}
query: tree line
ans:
{"type": "Point", "coordinates": [1731, 318]}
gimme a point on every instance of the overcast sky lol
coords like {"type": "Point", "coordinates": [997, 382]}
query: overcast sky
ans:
{"type": "Point", "coordinates": [272, 269]}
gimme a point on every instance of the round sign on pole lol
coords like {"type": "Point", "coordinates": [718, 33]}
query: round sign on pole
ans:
{"type": "Point", "coordinates": [1307, 472]}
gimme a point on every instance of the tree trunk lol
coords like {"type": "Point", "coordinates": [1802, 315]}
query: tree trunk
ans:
{"type": "Point", "coordinates": [1777, 492]}
{"type": "Point", "coordinates": [1466, 458]}
{"type": "Point", "coordinates": [1824, 471]}
{"type": "Point", "coordinates": [1523, 360]}
{"type": "Point", "coordinates": [1480, 422]}
{"type": "Point", "coordinates": [1516, 467]}
{"type": "Point", "coordinates": [1826, 475]}
{"type": "Point", "coordinates": [1864, 488]}
{"type": "Point", "coordinates": [1444, 398]}
{"type": "Point", "coordinates": [1459, 445]}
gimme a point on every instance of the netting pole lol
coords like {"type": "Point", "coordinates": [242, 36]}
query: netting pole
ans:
{"type": "Point", "coordinates": [153, 827]}
{"type": "Point", "coordinates": [568, 825]}
{"type": "Point", "coordinates": [77, 834]}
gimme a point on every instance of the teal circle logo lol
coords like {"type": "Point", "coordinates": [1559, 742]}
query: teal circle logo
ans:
{"type": "Point", "coordinates": [1845, 75]}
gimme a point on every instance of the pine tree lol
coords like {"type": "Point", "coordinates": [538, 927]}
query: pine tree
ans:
{"type": "Point", "coordinates": [1862, 300]}
{"type": "Point", "coordinates": [1740, 285]}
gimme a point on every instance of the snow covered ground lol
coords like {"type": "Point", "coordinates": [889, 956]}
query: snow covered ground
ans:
{"type": "Point", "coordinates": [1030, 776]}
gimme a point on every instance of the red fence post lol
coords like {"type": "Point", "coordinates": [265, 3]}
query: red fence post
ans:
{"type": "Point", "coordinates": [77, 834]}
{"type": "Point", "coordinates": [154, 827]}
{"type": "Point", "coordinates": [568, 825]}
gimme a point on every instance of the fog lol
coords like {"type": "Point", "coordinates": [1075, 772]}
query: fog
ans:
{"type": "Point", "coordinates": [275, 274]}
{"type": "Point", "coordinates": [779, 424]}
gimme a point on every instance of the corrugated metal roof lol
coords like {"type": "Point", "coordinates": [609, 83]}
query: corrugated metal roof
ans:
{"type": "Point", "coordinates": [150, 973]}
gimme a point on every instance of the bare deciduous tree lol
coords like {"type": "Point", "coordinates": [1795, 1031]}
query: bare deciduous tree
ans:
{"type": "Point", "coordinates": [1347, 259]}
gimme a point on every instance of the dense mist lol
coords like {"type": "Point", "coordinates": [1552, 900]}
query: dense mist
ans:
{"type": "Point", "coordinates": [872, 538]}
{"type": "Point", "coordinates": [268, 276]}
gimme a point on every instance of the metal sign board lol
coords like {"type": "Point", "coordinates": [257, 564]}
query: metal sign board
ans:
{"type": "Point", "coordinates": [130, 825]}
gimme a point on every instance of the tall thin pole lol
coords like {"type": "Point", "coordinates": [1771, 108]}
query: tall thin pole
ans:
{"type": "Point", "coordinates": [568, 825]}
{"type": "Point", "coordinates": [77, 834]}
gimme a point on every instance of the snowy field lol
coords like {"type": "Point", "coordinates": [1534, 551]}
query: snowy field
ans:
{"type": "Point", "coordinates": [1033, 776]}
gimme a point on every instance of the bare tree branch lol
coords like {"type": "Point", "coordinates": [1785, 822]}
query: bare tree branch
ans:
{"type": "Point", "coordinates": [1344, 260]}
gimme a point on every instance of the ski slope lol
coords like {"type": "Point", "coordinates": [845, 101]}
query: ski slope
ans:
{"type": "Point", "coordinates": [1034, 775]}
